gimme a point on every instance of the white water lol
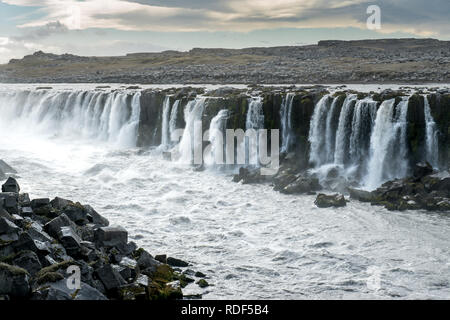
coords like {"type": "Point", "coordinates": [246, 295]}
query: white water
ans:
{"type": "Point", "coordinates": [317, 132]}
{"type": "Point", "coordinates": [188, 148]}
{"type": "Point", "coordinates": [89, 115]}
{"type": "Point", "coordinates": [173, 121]}
{"type": "Point", "coordinates": [286, 123]}
{"type": "Point", "coordinates": [432, 147]}
{"type": "Point", "coordinates": [165, 135]}
{"type": "Point", "coordinates": [344, 126]}
{"type": "Point", "coordinates": [255, 115]}
{"type": "Point", "coordinates": [252, 242]}
{"type": "Point", "coordinates": [216, 137]}
{"type": "Point", "coordinates": [388, 145]}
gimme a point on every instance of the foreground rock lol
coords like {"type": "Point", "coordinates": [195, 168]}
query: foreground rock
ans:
{"type": "Point", "coordinates": [61, 250]}
{"type": "Point", "coordinates": [424, 190]}
{"type": "Point", "coordinates": [329, 201]}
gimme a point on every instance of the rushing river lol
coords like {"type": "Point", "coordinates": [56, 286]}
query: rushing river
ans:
{"type": "Point", "coordinates": [252, 242]}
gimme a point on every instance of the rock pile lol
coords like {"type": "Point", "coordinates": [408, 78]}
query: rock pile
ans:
{"type": "Point", "coordinates": [63, 250]}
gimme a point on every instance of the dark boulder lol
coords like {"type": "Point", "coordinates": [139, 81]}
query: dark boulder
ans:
{"type": "Point", "coordinates": [76, 213]}
{"type": "Point", "coordinates": [11, 185]}
{"type": "Point", "coordinates": [95, 218]}
{"type": "Point", "coordinates": [360, 195]}
{"type": "Point", "coordinates": [147, 264]}
{"type": "Point", "coordinates": [29, 261]}
{"type": "Point", "coordinates": [54, 226]}
{"type": "Point", "coordinates": [111, 236]}
{"type": "Point", "coordinates": [14, 281]}
{"type": "Point", "coordinates": [422, 169]}
{"type": "Point", "coordinates": [302, 185]}
{"type": "Point", "coordinates": [174, 262]}
{"type": "Point", "coordinates": [70, 240]}
{"type": "Point", "coordinates": [110, 278]}
{"type": "Point", "coordinates": [328, 201]}
{"type": "Point", "coordinates": [8, 230]}
{"type": "Point", "coordinates": [39, 203]}
{"type": "Point", "coordinates": [9, 201]}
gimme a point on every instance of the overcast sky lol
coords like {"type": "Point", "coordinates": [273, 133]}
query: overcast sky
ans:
{"type": "Point", "coordinates": [117, 27]}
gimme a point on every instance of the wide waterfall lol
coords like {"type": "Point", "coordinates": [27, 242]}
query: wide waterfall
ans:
{"type": "Point", "coordinates": [432, 147]}
{"type": "Point", "coordinates": [111, 117]}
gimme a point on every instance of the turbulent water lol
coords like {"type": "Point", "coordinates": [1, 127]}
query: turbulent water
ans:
{"type": "Point", "coordinates": [250, 240]}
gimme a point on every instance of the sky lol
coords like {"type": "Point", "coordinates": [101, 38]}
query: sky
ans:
{"type": "Point", "coordinates": [118, 27]}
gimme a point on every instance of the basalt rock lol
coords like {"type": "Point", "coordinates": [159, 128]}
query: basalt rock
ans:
{"type": "Point", "coordinates": [36, 254]}
{"type": "Point", "coordinates": [328, 201]}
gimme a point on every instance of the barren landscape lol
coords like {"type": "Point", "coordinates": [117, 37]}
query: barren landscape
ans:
{"type": "Point", "coordinates": [364, 61]}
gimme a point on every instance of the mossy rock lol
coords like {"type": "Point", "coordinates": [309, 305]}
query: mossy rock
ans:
{"type": "Point", "coordinates": [164, 273]}
{"type": "Point", "coordinates": [158, 291]}
{"type": "Point", "coordinates": [49, 277]}
{"type": "Point", "coordinates": [202, 283]}
{"type": "Point", "coordinates": [132, 292]}
{"type": "Point", "coordinates": [184, 280]}
{"type": "Point", "coordinates": [13, 270]}
{"type": "Point", "coordinates": [55, 268]}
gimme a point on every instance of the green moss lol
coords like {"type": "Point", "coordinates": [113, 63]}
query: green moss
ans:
{"type": "Point", "coordinates": [14, 270]}
{"type": "Point", "coordinates": [55, 267]}
{"type": "Point", "coordinates": [202, 283]}
{"type": "Point", "coordinates": [163, 273]}
{"type": "Point", "coordinates": [49, 277]}
{"type": "Point", "coordinates": [158, 291]}
{"type": "Point", "coordinates": [131, 292]}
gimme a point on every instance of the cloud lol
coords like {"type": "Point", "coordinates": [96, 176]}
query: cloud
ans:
{"type": "Point", "coordinates": [416, 16]}
{"type": "Point", "coordinates": [44, 31]}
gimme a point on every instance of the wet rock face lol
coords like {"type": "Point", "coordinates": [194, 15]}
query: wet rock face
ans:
{"type": "Point", "coordinates": [40, 255]}
{"type": "Point", "coordinates": [424, 190]}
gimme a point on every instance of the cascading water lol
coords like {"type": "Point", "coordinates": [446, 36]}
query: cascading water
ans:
{"type": "Point", "coordinates": [255, 115]}
{"type": "Point", "coordinates": [286, 123]}
{"type": "Point", "coordinates": [432, 146]}
{"type": "Point", "coordinates": [111, 117]}
{"type": "Point", "coordinates": [317, 132]}
{"type": "Point", "coordinates": [344, 130]}
{"type": "Point", "coordinates": [330, 132]}
{"type": "Point", "coordinates": [255, 121]}
{"type": "Point", "coordinates": [388, 151]}
{"type": "Point", "coordinates": [165, 136]}
{"type": "Point", "coordinates": [173, 121]}
{"type": "Point", "coordinates": [190, 147]}
{"type": "Point", "coordinates": [363, 120]}
{"type": "Point", "coordinates": [216, 138]}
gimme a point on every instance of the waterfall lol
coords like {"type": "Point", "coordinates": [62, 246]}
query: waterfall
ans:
{"type": "Point", "coordinates": [165, 135]}
{"type": "Point", "coordinates": [344, 130]}
{"type": "Point", "coordinates": [330, 132]}
{"type": "Point", "coordinates": [111, 117]}
{"type": "Point", "coordinates": [363, 119]}
{"type": "Point", "coordinates": [173, 121]}
{"type": "Point", "coordinates": [216, 137]}
{"type": "Point", "coordinates": [317, 132]}
{"type": "Point", "coordinates": [432, 146]}
{"type": "Point", "coordinates": [388, 149]}
{"type": "Point", "coordinates": [255, 115]}
{"type": "Point", "coordinates": [286, 123]}
{"type": "Point", "coordinates": [191, 146]}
